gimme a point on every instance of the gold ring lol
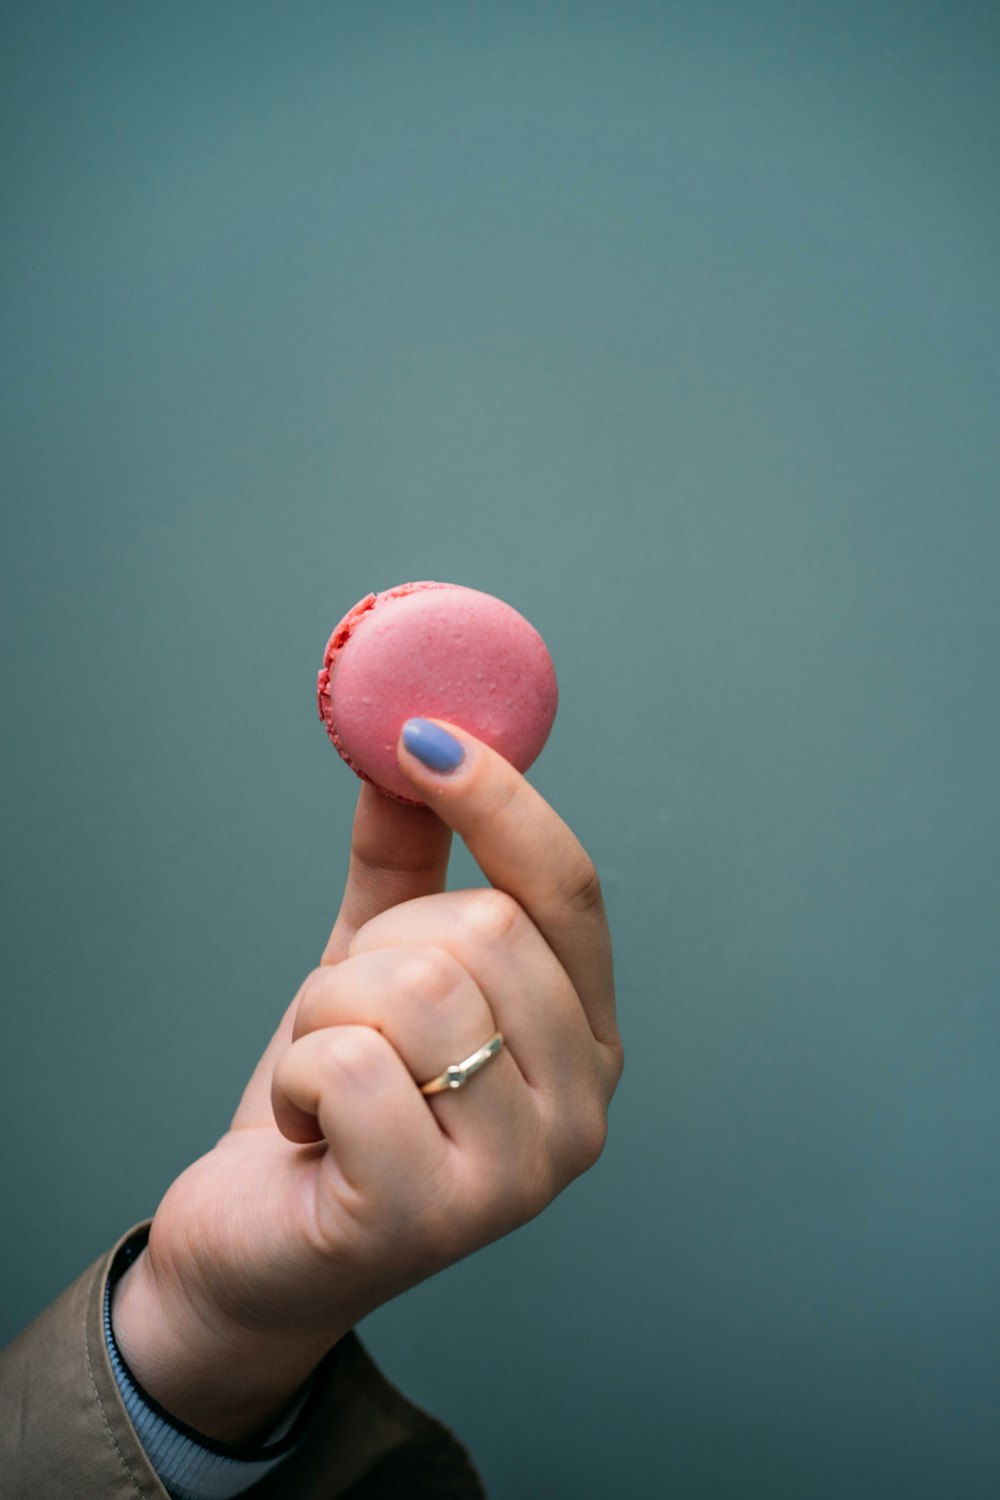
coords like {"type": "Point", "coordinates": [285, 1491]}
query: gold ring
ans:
{"type": "Point", "coordinates": [457, 1075]}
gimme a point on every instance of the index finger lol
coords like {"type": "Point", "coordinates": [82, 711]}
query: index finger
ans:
{"type": "Point", "coordinates": [523, 847]}
{"type": "Point", "coordinates": [397, 853]}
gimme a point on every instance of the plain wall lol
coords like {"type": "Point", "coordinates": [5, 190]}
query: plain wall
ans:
{"type": "Point", "coordinates": [676, 326]}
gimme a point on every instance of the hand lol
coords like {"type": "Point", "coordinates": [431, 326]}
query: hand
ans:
{"type": "Point", "coordinates": [340, 1184]}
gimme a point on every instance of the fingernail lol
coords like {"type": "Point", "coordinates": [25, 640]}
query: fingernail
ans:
{"type": "Point", "coordinates": [433, 746]}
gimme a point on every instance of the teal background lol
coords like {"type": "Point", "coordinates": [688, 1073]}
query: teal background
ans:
{"type": "Point", "coordinates": [677, 327]}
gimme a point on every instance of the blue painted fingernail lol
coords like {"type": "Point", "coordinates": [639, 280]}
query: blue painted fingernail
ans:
{"type": "Point", "coordinates": [433, 746]}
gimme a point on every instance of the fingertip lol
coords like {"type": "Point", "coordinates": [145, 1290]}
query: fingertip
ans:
{"type": "Point", "coordinates": [298, 1127]}
{"type": "Point", "coordinates": [433, 746]}
{"type": "Point", "coordinates": [304, 1135]}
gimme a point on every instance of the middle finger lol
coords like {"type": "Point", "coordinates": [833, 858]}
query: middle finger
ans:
{"type": "Point", "coordinates": [526, 987]}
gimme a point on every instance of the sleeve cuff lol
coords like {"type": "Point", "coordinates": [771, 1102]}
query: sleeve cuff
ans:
{"type": "Point", "coordinates": [190, 1465]}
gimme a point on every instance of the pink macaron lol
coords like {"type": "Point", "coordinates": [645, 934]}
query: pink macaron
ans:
{"type": "Point", "coordinates": [435, 651]}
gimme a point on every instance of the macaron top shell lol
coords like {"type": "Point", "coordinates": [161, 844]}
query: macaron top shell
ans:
{"type": "Point", "coordinates": [437, 651]}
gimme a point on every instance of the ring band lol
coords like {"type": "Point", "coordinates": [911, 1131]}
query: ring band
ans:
{"type": "Point", "coordinates": [457, 1075]}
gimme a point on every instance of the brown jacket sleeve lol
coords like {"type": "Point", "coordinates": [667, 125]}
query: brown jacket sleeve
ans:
{"type": "Point", "coordinates": [65, 1433]}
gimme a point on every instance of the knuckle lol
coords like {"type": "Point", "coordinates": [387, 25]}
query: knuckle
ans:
{"type": "Point", "coordinates": [427, 977]}
{"type": "Point", "coordinates": [316, 980]}
{"type": "Point", "coordinates": [492, 915]}
{"type": "Point", "coordinates": [591, 1138]}
{"type": "Point", "coordinates": [311, 991]}
{"type": "Point", "coordinates": [583, 1139]}
{"type": "Point", "coordinates": [351, 1052]}
{"type": "Point", "coordinates": [611, 1065]}
{"type": "Point", "coordinates": [580, 887]}
{"type": "Point", "coordinates": [498, 797]}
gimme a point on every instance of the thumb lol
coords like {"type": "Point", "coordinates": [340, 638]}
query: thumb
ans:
{"type": "Point", "coordinates": [398, 852]}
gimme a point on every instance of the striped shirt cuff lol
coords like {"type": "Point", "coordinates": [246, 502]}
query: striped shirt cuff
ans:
{"type": "Point", "coordinates": [189, 1465]}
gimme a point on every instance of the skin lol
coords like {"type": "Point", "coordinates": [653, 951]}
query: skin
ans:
{"type": "Point", "coordinates": [338, 1184]}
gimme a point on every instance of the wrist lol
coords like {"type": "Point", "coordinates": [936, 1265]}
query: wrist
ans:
{"type": "Point", "coordinates": [226, 1382]}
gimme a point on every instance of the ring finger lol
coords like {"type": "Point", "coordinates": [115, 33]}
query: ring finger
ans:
{"type": "Point", "coordinates": [433, 1013]}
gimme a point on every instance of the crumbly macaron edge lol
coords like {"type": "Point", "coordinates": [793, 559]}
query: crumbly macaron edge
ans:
{"type": "Point", "coordinates": [335, 645]}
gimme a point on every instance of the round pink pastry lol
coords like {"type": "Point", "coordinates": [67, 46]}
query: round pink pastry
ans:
{"type": "Point", "coordinates": [434, 651]}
